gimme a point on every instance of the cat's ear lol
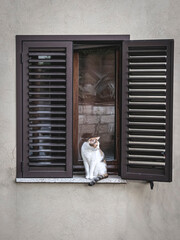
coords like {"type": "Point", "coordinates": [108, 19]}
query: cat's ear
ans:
{"type": "Point", "coordinates": [97, 138]}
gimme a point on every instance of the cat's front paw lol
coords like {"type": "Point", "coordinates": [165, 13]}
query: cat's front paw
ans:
{"type": "Point", "coordinates": [87, 176]}
{"type": "Point", "coordinates": [91, 177]}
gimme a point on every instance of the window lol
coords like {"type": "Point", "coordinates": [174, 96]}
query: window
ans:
{"type": "Point", "coordinates": [95, 78]}
{"type": "Point", "coordinates": [72, 87]}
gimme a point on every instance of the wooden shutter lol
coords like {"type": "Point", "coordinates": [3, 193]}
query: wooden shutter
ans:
{"type": "Point", "coordinates": [47, 109]}
{"type": "Point", "coordinates": [147, 85]}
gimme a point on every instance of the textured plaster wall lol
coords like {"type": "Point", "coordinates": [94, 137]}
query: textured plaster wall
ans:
{"type": "Point", "coordinates": [77, 212]}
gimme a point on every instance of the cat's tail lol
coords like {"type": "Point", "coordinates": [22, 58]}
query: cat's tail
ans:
{"type": "Point", "coordinates": [97, 179]}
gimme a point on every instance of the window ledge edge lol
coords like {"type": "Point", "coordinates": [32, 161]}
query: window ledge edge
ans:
{"type": "Point", "coordinates": [75, 179]}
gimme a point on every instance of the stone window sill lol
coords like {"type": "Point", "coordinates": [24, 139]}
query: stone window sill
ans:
{"type": "Point", "coordinates": [76, 179]}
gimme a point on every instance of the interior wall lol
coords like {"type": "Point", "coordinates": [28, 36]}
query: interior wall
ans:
{"type": "Point", "coordinates": [72, 211]}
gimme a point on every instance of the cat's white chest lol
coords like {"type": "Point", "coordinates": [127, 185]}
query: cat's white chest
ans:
{"type": "Point", "coordinates": [92, 156]}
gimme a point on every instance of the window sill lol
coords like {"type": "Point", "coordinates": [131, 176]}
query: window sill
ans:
{"type": "Point", "coordinates": [76, 179]}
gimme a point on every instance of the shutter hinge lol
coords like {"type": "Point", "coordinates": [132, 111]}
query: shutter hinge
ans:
{"type": "Point", "coordinates": [151, 184]}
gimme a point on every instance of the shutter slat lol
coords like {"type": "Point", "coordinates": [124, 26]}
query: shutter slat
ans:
{"type": "Point", "coordinates": [47, 60]}
{"type": "Point", "coordinates": [151, 106]}
{"type": "Point", "coordinates": [147, 60]}
{"type": "Point", "coordinates": [148, 93]}
{"type": "Point", "coordinates": [41, 164]}
{"type": "Point", "coordinates": [47, 93]}
{"type": "Point", "coordinates": [145, 112]}
{"type": "Point", "coordinates": [46, 131]}
{"type": "Point", "coordinates": [145, 99]}
{"type": "Point", "coordinates": [143, 45]}
{"type": "Point", "coordinates": [47, 99]}
{"type": "Point", "coordinates": [37, 158]}
{"type": "Point", "coordinates": [147, 73]}
{"type": "Point", "coordinates": [146, 132]}
{"type": "Point", "coordinates": [47, 54]}
{"type": "Point", "coordinates": [147, 66]}
{"type": "Point", "coordinates": [149, 152]}
{"type": "Point", "coordinates": [47, 119]}
{"type": "Point", "coordinates": [146, 79]}
{"type": "Point", "coordinates": [146, 126]}
{"type": "Point", "coordinates": [146, 52]}
{"type": "Point", "coordinates": [143, 139]}
{"type": "Point", "coordinates": [146, 121]}
{"type": "Point", "coordinates": [47, 67]}
{"type": "Point", "coordinates": [37, 80]}
{"type": "Point", "coordinates": [47, 73]}
{"type": "Point", "coordinates": [46, 125]}
{"type": "Point", "coordinates": [47, 106]}
{"type": "Point", "coordinates": [47, 112]}
{"type": "Point", "coordinates": [47, 138]}
{"type": "Point", "coordinates": [48, 151]}
{"type": "Point", "coordinates": [147, 86]}
{"type": "Point", "coordinates": [48, 87]}
{"type": "Point", "coordinates": [48, 144]}
{"type": "Point", "coordinates": [146, 158]}
{"type": "Point", "coordinates": [147, 146]}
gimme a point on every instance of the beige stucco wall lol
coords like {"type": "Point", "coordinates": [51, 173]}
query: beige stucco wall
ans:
{"type": "Point", "coordinates": [77, 212]}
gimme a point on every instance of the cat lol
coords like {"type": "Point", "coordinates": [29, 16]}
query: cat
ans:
{"type": "Point", "coordinates": [94, 161]}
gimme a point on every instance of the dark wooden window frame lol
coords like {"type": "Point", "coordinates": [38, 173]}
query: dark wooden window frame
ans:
{"type": "Point", "coordinates": [121, 104]}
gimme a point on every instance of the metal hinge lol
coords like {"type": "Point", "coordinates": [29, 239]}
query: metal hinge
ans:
{"type": "Point", "coordinates": [151, 184]}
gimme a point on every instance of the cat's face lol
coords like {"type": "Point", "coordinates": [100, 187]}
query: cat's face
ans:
{"type": "Point", "coordinates": [94, 142]}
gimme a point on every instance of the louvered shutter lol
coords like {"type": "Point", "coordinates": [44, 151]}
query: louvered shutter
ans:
{"type": "Point", "coordinates": [147, 85]}
{"type": "Point", "coordinates": [47, 109]}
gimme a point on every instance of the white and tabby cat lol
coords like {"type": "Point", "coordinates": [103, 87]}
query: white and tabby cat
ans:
{"type": "Point", "coordinates": [94, 162]}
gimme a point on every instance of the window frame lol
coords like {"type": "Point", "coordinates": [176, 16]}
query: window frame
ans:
{"type": "Point", "coordinates": [113, 165]}
{"type": "Point", "coordinates": [95, 39]}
